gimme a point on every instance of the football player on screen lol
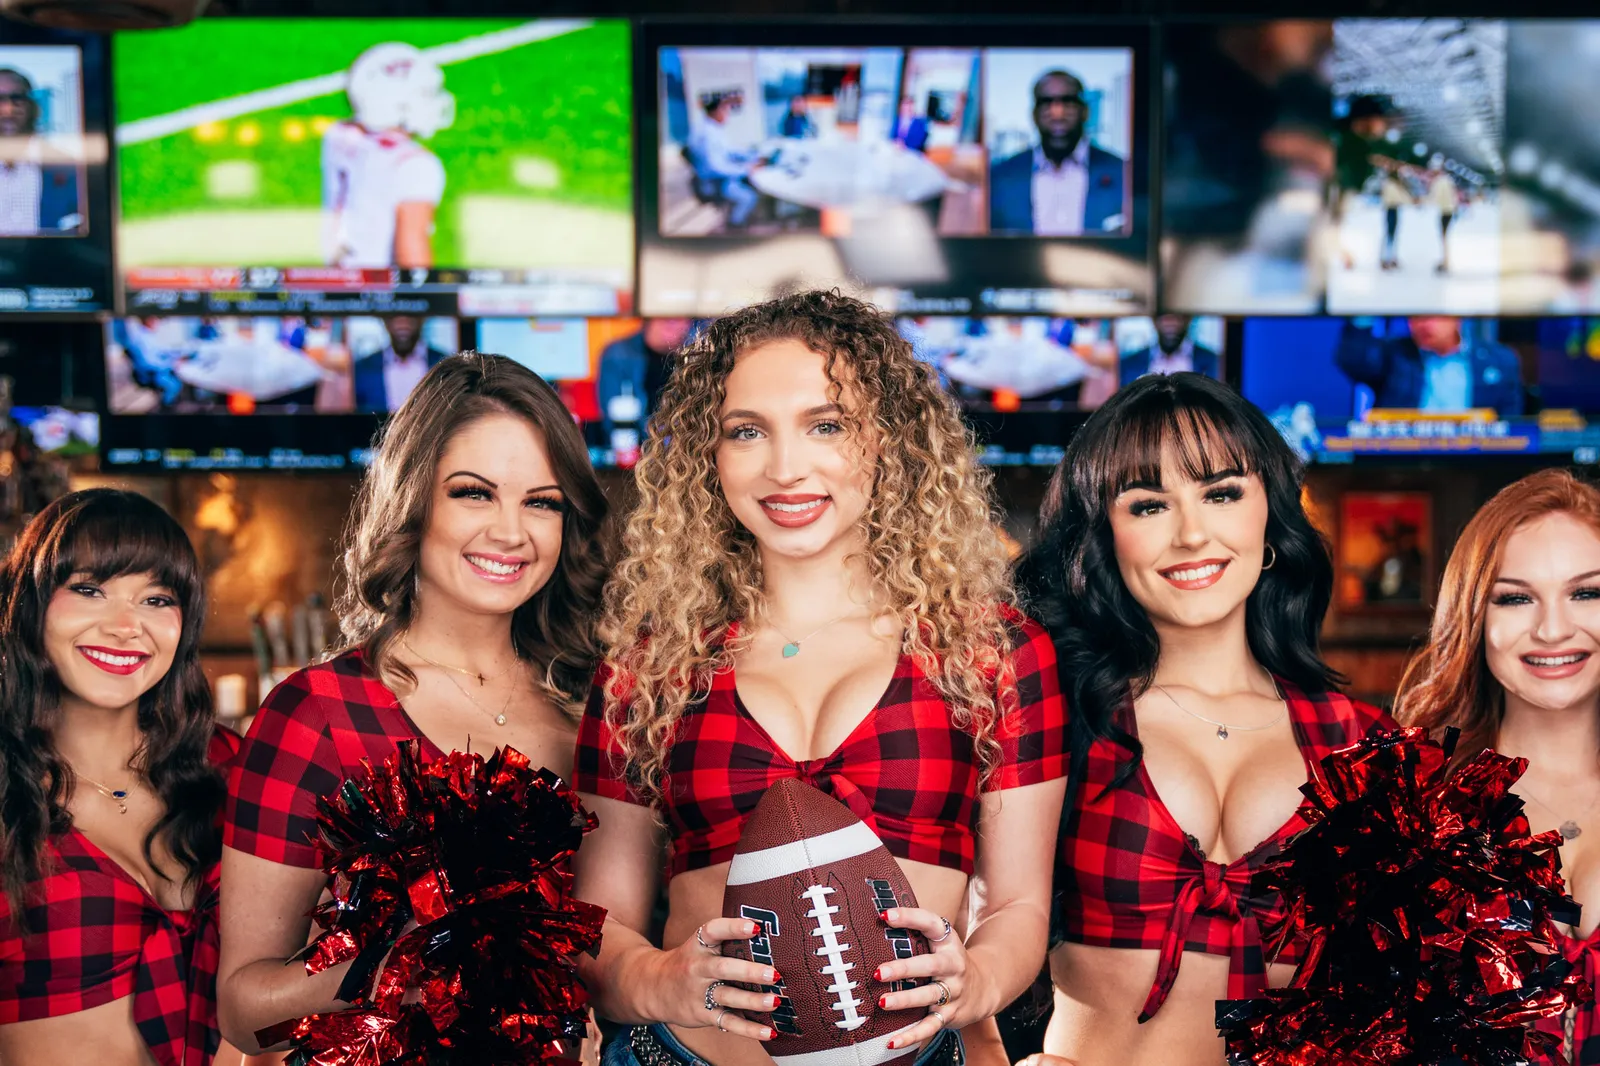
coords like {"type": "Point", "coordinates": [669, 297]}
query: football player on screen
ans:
{"type": "Point", "coordinates": [380, 186]}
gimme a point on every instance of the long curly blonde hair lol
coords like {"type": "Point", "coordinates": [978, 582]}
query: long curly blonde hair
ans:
{"type": "Point", "coordinates": [690, 569]}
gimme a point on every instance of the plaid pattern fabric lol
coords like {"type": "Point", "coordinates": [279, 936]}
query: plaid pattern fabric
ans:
{"type": "Point", "coordinates": [98, 937]}
{"type": "Point", "coordinates": [1579, 1028]}
{"type": "Point", "coordinates": [905, 770]}
{"type": "Point", "coordinates": [1127, 876]}
{"type": "Point", "coordinates": [310, 734]}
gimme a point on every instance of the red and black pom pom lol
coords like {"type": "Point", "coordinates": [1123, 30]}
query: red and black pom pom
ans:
{"type": "Point", "coordinates": [453, 877]}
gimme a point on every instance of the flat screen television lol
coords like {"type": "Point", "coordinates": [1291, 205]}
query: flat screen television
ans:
{"type": "Point", "coordinates": [410, 166]}
{"type": "Point", "coordinates": [1026, 383]}
{"type": "Point", "coordinates": [966, 169]}
{"type": "Point", "coordinates": [55, 199]}
{"type": "Point", "coordinates": [1427, 385]}
{"type": "Point", "coordinates": [609, 372]}
{"type": "Point", "coordinates": [1346, 166]}
{"type": "Point", "coordinates": [285, 392]}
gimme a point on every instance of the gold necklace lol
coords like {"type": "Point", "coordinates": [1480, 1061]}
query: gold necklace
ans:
{"type": "Point", "coordinates": [499, 719]}
{"type": "Point", "coordinates": [792, 647]}
{"type": "Point", "coordinates": [119, 796]}
{"type": "Point", "coordinates": [455, 669]}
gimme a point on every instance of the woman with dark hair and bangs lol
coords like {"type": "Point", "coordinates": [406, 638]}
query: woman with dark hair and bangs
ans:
{"type": "Point", "coordinates": [111, 791]}
{"type": "Point", "coordinates": [1184, 587]}
{"type": "Point", "coordinates": [471, 577]}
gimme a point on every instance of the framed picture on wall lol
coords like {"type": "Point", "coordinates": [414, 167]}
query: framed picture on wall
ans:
{"type": "Point", "coordinates": [1384, 554]}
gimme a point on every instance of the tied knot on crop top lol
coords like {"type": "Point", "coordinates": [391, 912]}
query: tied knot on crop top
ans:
{"type": "Point", "coordinates": [1128, 876]}
{"type": "Point", "coordinates": [905, 770]}
{"type": "Point", "coordinates": [96, 936]}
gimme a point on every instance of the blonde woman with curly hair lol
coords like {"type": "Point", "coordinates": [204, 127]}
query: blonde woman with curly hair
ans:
{"type": "Point", "coordinates": [812, 587]}
{"type": "Point", "coordinates": [471, 583]}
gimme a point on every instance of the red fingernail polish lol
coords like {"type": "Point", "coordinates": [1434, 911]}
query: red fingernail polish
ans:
{"type": "Point", "coordinates": [883, 916]}
{"type": "Point", "coordinates": [891, 1045]}
{"type": "Point", "coordinates": [754, 929]}
{"type": "Point", "coordinates": [776, 977]}
{"type": "Point", "coordinates": [767, 1034]}
{"type": "Point", "coordinates": [877, 975]}
{"type": "Point", "coordinates": [883, 1002]}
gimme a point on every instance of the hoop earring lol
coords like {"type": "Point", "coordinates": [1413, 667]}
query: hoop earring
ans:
{"type": "Point", "coordinates": [1269, 565]}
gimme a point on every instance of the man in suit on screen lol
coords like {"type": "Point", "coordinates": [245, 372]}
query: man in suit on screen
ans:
{"type": "Point", "coordinates": [1065, 186]}
{"type": "Point", "coordinates": [385, 378]}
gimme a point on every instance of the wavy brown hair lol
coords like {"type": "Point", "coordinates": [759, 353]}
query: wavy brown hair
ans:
{"type": "Point", "coordinates": [1448, 682]}
{"type": "Point", "coordinates": [102, 534]}
{"type": "Point", "coordinates": [554, 630]}
{"type": "Point", "coordinates": [690, 569]}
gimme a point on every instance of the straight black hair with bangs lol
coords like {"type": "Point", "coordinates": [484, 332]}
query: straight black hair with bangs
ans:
{"type": "Point", "coordinates": [1107, 647]}
{"type": "Point", "coordinates": [100, 534]}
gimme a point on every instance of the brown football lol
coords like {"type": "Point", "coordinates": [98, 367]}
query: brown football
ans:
{"type": "Point", "coordinates": [814, 877]}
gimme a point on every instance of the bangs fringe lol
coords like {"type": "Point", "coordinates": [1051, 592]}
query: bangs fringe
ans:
{"type": "Point", "coordinates": [1203, 437]}
{"type": "Point", "coordinates": [113, 536]}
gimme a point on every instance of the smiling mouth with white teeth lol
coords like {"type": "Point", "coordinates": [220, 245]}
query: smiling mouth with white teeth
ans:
{"type": "Point", "coordinates": [1555, 660]}
{"type": "Point", "coordinates": [1199, 573]}
{"type": "Point", "coordinates": [490, 566]}
{"type": "Point", "coordinates": [114, 660]}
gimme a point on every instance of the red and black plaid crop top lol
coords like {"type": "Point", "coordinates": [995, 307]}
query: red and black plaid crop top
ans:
{"type": "Point", "coordinates": [905, 769]}
{"type": "Point", "coordinates": [1127, 876]}
{"type": "Point", "coordinates": [310, 734]}
{"type": "Point", "coordinates": [96, 936]}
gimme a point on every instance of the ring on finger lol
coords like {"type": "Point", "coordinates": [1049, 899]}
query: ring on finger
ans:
{"type": "Point", "coordinates": [941, 938]}
{"type": "Point", "coordinates": [936, 1014]}
{"type": "Point", "coordinates": [711, 994]}
{"type": "Point", "coordinates": [944, 992]}
{"type": "Point", "coordinates": [720, 1015]}
{"type": "Point", "coordinates": [702, 940]}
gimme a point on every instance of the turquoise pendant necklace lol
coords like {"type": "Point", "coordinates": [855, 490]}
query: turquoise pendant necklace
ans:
{"type": "Point", "coordinates": [792, 648]}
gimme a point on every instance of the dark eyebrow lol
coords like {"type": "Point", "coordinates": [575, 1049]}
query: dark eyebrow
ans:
{"type": "Point", "coordinates": [543, 488]}
{"type": "Point", "coordinates": [468, 473]}
{"type": "Point", "coordinates": [1221, 475]}
{"type": "Point", "coordinates": [1152, 486]}
{"type": "Point", "coordinates": [740, 412]}
{"type": "Point", "coordinates": [1523, 584]}
{"type": "Point", "coordinates": [824, 409]}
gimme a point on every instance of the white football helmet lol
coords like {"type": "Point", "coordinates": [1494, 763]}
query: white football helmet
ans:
{"type": "Point", "coordinates": [395, 86]}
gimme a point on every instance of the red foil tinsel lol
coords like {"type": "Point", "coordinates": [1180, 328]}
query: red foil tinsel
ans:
{"type": "Point", "coordinates": [1425, 911]}
{"type": "Point", "coordinates": [475, 852]}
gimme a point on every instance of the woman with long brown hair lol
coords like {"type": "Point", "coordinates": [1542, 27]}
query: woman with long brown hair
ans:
{"type": "Point", "coordinates": [1513, 661]}
{"type": "Point", "coordinates": [471, 578]}
{"type": "Point", "coordinates": [813, 588]}
{"type": "Point", "coordinates": [111, 791]}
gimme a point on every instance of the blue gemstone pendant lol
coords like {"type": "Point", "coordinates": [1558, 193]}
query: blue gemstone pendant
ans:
{"type": "Point", "coordinates": [119, 794]}
{"type": "Point", "coordinates": [790, 650]}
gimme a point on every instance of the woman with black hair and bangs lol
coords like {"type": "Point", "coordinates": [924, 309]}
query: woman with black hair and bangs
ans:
{"type": "Point", "coordinates": [1184, 587]}
{"type": "Point", "coordinates": [111, 791]}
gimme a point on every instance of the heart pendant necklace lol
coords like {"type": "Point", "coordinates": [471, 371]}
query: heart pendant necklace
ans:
{"type": "Point", "coordinates": [792, 647]}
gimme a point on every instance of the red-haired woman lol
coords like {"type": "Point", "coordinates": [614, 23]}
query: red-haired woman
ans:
{"type": "Point", "coordinates": [1513, 661]}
